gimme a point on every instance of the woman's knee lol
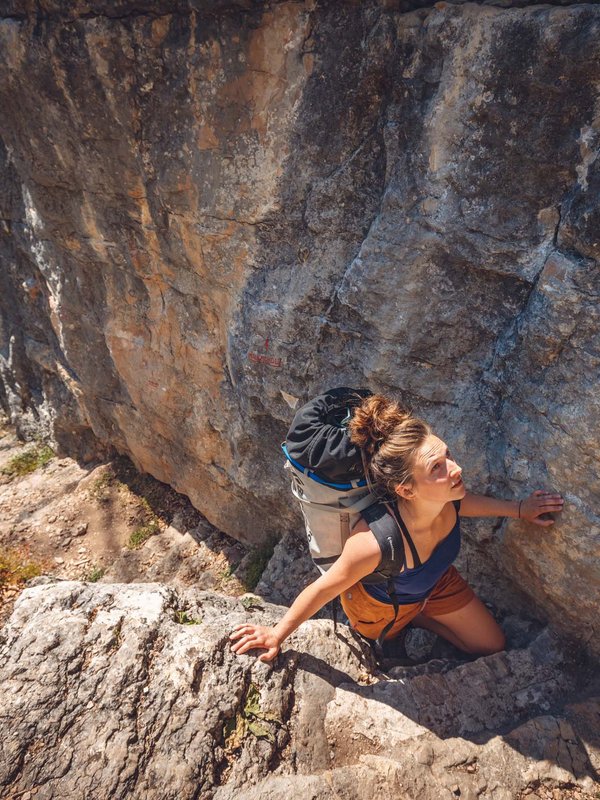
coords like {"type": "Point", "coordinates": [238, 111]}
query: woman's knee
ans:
{"type": "Point", "coordinates": [495, 643]}
{"type": "Point", "coordinates": [485, 640]}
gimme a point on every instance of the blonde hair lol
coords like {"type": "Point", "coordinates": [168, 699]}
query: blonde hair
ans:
{"type": "Point", "coordinates": [388, 436]}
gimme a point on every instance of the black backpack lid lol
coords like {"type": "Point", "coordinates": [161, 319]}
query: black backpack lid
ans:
{"type": "Point", "coordinates": [318, 437]}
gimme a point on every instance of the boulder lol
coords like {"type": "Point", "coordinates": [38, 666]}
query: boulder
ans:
{"type": "Point", "coordinates": [132, 691]}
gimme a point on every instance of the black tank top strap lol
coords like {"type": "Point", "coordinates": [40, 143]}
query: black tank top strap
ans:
{"type": "Point", "coordinates": [393, 510]}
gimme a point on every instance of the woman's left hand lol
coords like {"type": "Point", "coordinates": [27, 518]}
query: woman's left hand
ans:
{"type": "Point", "coordinates": [541, 502]}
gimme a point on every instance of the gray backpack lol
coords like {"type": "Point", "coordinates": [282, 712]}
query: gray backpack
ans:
{"type": "Point", "coordinates": [330, 512]}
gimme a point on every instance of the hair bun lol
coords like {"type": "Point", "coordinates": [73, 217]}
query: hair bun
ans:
{"type": "Point", "coordinates": [376, 418]}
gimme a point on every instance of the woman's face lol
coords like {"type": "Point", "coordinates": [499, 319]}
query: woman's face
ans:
{"type": "Point", "coordinates": [436, 476]}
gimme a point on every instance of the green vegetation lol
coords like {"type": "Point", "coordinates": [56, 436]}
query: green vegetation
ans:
{"type": "Point", "coordinates": [28, 461]}
{"type": "Point", "coordinates": [16, 567]}
{"type": "Point", "coordinates": [254, 715]}
{"type": "Point", "coordinates": [183, 618]}
{"type": "Point", "coordinates": [251, 601]}
{"type": "Point", "coordinates": [250, 720]}
{"type": "Point", "coordinates": [100, 488]}
{"type": "Point", "coordinates": [143, 532]}
{"type": "Point", "coordinates": [94, 574]}
{"type": "Point", "coordinates": [144, 503]}
{"type": "Point", "coordinates": [255, 563]}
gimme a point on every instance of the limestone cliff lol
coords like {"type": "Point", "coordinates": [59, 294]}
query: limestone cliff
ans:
{"type": "Point", "coordinates": [211, 211]}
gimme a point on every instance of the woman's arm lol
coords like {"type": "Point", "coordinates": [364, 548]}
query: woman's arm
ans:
{"type": "Point", "coordinates": [361, 555]}
{"type": "Point", "coordinates": [530, 508]}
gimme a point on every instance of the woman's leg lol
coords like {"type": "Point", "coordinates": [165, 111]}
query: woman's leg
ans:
{"type": "Point", "coordinates": [472, 628]}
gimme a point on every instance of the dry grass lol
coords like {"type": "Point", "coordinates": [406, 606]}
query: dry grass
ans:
{"type": "Point", "coordinates": [16, 566]}
{"type": "Point", "coordinates": [28, 461]}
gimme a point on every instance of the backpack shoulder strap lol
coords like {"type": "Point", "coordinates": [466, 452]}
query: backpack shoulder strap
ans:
{"type": "Point", "coordinates": [385, 530]}
{"type": "Point", "coordinates": [393, 510]}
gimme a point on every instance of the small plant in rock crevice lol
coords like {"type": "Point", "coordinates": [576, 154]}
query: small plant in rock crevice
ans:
{"type": "Point", "coordinates": [182, 617]}
{"type": "Point", "coordinates": [251, 602]}
{"type": "Point", "coordinates": [228, 571]}
{"type": "Point", "coordinates": [250, 719]}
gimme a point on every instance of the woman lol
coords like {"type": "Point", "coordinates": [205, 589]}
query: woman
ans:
{"type": "Point", "coordinates": [415, 471]}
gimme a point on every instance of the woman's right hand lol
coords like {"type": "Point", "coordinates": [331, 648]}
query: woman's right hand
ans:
{"type": "Point", "coordinates": [252, 637]}
{"type": "Point", "coordinates": [360, 556]}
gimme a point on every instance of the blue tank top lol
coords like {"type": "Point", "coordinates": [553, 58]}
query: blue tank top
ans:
{"type": "Point", "coordinates": [414, 585]}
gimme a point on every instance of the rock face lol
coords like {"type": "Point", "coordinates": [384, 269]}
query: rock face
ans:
{"type": "Point", "coordinates": [131, 691]}
{"type": "Point", "coordinates": [212, 211]}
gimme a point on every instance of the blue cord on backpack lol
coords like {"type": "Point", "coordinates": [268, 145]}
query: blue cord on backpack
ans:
{"type": "Point", "coordinates": [313, 475]}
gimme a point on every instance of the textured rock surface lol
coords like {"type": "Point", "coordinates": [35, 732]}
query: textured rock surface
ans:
{"type": "Point", "coordinates": [109, 691]}
{"type": "Point", "coordinates": [212, 210]}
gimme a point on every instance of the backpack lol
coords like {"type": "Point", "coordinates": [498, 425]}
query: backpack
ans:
{"type": "Point", "coordinates": [328, 480]}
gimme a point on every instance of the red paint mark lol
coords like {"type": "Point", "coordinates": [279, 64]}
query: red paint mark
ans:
{"type": "Point", "coordinates": [267, 343]}
{"type": "Point", "coordinates": [258, 358]}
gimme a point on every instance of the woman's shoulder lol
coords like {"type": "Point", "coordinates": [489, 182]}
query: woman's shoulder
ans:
{"type": "Point", "coordinates": [362, 545]}
{"type": "Point", "coordinates": [362, 536]}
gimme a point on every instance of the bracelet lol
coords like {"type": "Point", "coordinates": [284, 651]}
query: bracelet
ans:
{"type": "Point", "coordinates": [520, 501]}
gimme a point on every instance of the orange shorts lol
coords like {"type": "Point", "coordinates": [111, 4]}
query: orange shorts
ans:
{"type": "Point", "coordinates": [369, 616]}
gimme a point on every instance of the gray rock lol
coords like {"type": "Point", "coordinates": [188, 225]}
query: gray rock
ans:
{"type": "Point", "coordinates": [131, 691]}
